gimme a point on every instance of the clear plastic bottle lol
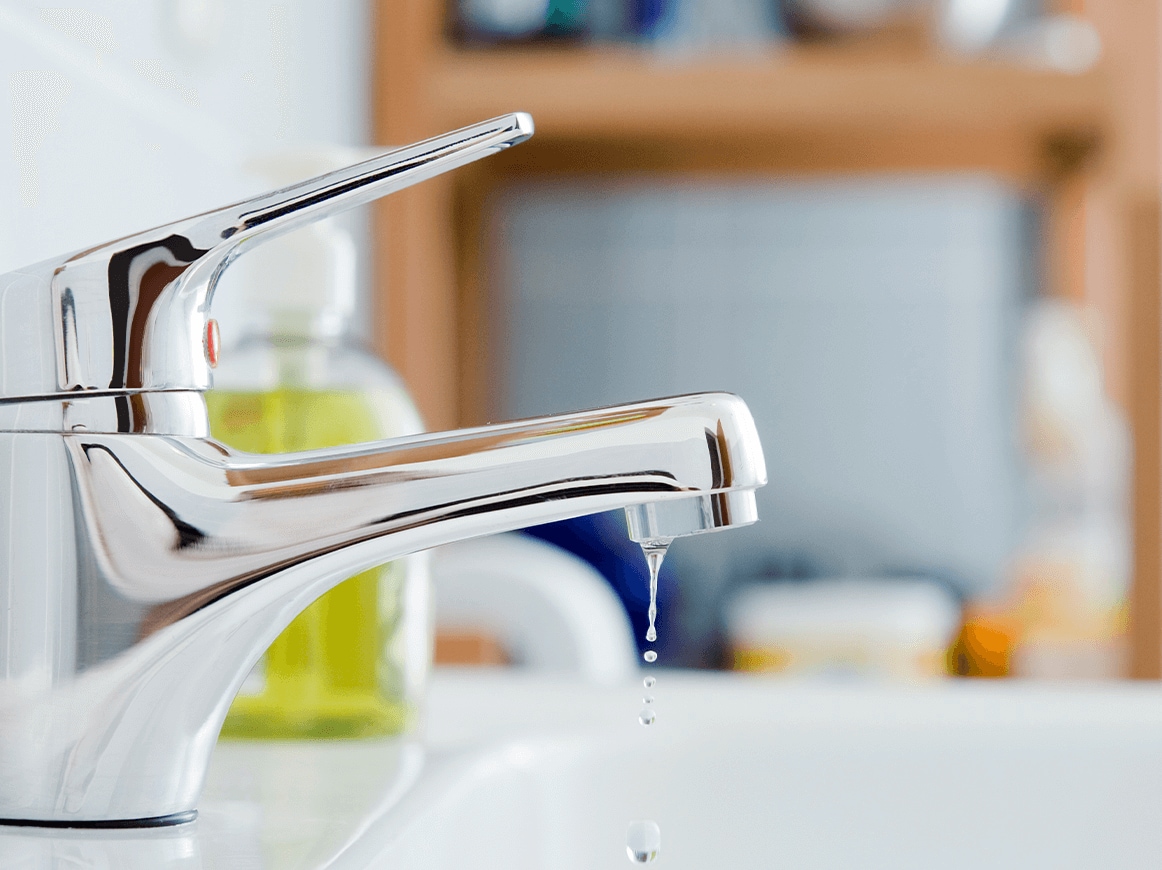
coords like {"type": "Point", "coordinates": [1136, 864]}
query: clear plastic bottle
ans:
{"type": "Point", "coordinates": [352, 664]}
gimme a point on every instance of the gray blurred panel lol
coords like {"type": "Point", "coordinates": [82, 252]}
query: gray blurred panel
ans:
{"type": "Point", "coordinates": [870, 324]}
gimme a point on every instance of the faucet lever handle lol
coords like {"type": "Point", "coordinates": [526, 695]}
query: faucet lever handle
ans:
{"type": "Point", "coordinates": [307, 201]}
{"type": "Point", "coordinates": [131, 315]}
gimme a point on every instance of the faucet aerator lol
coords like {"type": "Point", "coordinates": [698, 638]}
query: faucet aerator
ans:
{"type": "Point", "coordinates": [677, 518]}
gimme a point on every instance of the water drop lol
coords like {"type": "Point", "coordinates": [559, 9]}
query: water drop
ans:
{"type": "Point", "coordinates": [646, 716]}
{"type": "Point", "coordinates": [648, 699]}
{"type": "Point", "coordinates": [643, 840]}
{"type": "Point", "coordinates": [650, 656]}
{"type": "Point", "coordinates": [648, 682]}
{"type": "Point", "coordinates": [655, 552]}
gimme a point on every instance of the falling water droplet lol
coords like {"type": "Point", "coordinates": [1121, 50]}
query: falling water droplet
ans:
{"type": "Point", "coordinates": [648, 699]}
{"type": "Point", "coordinates": [646, 716]}
{"type": "Point", "coordinates": [650, 656]}
{"type": "Point", "coordinates": [655, 552]}
{"type": "Point", "coordinates": [648, 682]}
{"type": "Point", "coordinates": [643, 840]}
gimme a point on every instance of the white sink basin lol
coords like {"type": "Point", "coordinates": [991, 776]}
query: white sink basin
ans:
{"type": "Point", "coordinates": [528, 772]}
{"type": "Point", "coordinates": [747, 773]}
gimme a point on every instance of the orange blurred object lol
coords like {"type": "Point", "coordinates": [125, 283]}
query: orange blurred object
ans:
{"type": "Point", "coordinates": [984, 647]}
{"type": "Point", "coordinates": [1045, 629]}
{"type": "Point", "coordinates": [469, 648]}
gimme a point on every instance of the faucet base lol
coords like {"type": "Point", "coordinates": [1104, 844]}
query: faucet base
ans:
{"type": "Point", "coordinates": [105, 824]}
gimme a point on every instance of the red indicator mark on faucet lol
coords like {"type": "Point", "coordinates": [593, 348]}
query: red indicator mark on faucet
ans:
{"type": "Point", "coordinates": [212, 341]}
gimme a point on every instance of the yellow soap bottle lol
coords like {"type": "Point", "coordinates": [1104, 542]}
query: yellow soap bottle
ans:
{"type": "Point", "coordinates": [352, 664]}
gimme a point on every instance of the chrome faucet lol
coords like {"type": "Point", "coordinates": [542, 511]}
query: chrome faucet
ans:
{"type": "Point", "coordinates": [144, 568]}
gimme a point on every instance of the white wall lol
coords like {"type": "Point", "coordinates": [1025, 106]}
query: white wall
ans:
{"type": "Point", "coordinates": [116, 115]}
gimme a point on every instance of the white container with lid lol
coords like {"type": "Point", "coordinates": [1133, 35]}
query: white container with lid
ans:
{"type": "Point", "coordinates": [881, 628]}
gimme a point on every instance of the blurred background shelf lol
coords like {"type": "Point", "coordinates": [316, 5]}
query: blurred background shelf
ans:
{"type": "Point", "coordinates": [620, 109]}
{"type": "Point", "coordinates": [1082, 147]}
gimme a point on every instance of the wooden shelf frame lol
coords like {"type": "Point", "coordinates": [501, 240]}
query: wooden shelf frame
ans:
{"type": "Point", "coordinates": [628, 110]}
{"type": "Point", "coordinates": [625, 94]}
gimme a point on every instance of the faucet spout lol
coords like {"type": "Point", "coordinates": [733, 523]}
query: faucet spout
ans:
{"type": "Point", "coordinates": [185, 560]}
{"type": "Point", "coordinates": [144, 568]}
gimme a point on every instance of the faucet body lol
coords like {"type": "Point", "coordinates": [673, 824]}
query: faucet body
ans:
{"type": "Point", "coordinates": [154, 569]}
{"type": "Point", "coordinates": [144, 568]}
